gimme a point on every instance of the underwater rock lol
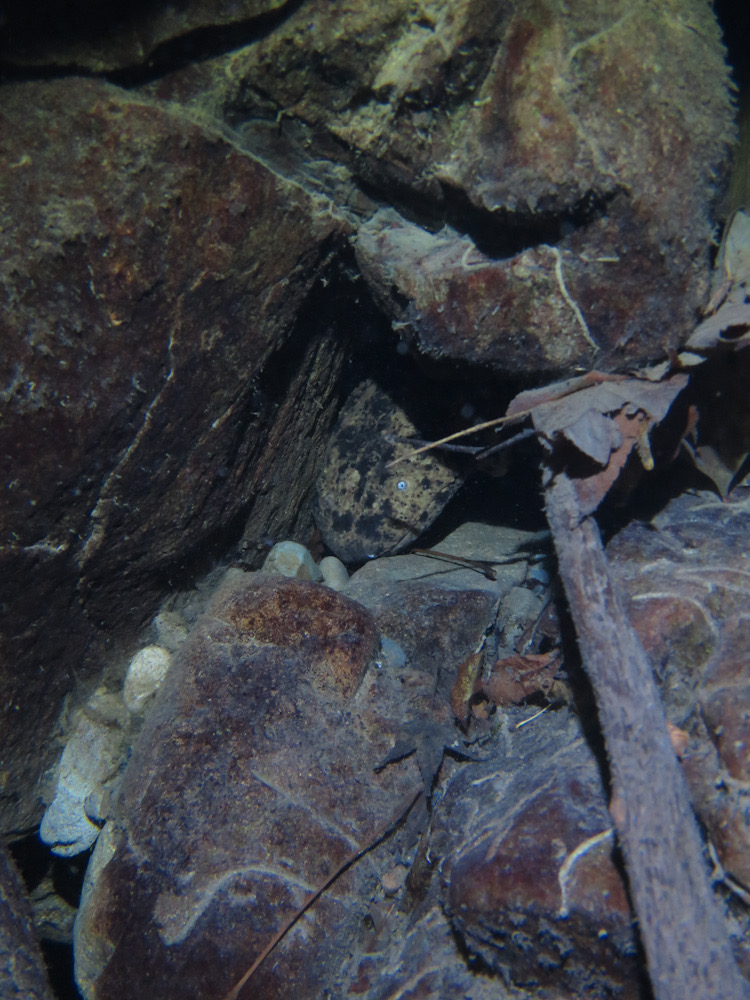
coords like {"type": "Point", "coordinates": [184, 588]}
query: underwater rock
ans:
{"type": "Point", "coordinates": [22, 971]}
{"type": "Point", "coordinates": [491, 558]}
{"type": "Point", "coordinates": [293, 560]}
{"type": "Point", "coordinates": [251, 780]}
{"type": "Point", "coordinates": [334, 573]}
{"type": "Point", "coordinates": [101, 39]}
{"type": "Point", "coordinates": [685, 577]}
{"type": "Point", "coordinates": [170, 629]}
{"type": "Point", "coordinates": [365, 509]}
{"type": "Point", "coordinates": [526, 863]}
{"type": "Point", "coordinates": [89, 766]}
{"type": "Point", "coordinates": [590, 239]}
{"type": "Point", "coordinates": [549, 185]}
{"type": "Point", "coordinates": [141, 272]}
{"type": "Point", "coordinates": [145, 675]}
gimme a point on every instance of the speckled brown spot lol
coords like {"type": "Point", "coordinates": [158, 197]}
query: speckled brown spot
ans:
{"type": "Point", "coordinates": [337, 636]}
{"type": "Point", "coordinates": [365, 509]}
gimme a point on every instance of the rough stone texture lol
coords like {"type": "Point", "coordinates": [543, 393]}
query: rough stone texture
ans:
{"type": "Point", "coordinates": [250, 782]}
{"type": "Point", "coordinates": [89, 764]}
{"type": "Point", "coordinates": [687, 589]}
{"type": "Point", "coordinates": [435, 627]}
{"type": "Point", "coordinates": [550, 183]}
{"type": "Point", "coordinates": [504, 550]}
{"type": "Point", "coordinates": [253, 778]}
{"type": "Point", "coordinates": [524, 126]}
{"type": "Point", "coordinates": [293, 560]}
{"type": "Point", "coordinates": [154, 267]}
{"type": "Point", "coordinates": [364, 508]}
{"type": "Point", "coordinates": [546, 310]}
{"type": "Point", "coordinates": [273, 722]}
{"type": "Point", "coordinates": [152, 274]}
{"type": "Point", "coordinates": [22, 972]}
{"type": "Point", "coordinates": [526, 859]}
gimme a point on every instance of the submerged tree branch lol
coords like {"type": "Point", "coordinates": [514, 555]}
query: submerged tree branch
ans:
{"type": "Point", "coordinates": [686, 942]}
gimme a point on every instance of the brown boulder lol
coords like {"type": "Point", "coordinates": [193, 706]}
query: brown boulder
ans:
{"type": "Point", "coordinates": [530, 882]}
{"type": "Point", "coordinates": [153, 273]}
{"type": "Point", "coordinates": [685, 578]}
{"type": "Point", "coordinates": [575, 176]}
{"type": "Point", "coordinates": [251, 781]}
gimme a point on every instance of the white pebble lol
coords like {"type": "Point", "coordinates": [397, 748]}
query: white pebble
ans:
{"type": "Point", "coordinates": [291, 559]}
{"type": "Point", "coordinates": [90, 758]}
{"type": "Point", "coordinates": [146, 672]}
{"type": "Point", "coordinates": [334, 572]}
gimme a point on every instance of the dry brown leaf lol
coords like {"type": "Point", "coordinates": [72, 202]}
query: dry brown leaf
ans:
{"type": "Point", "coordinates": [592, 490]}
{"type": "Point", "coordinates": [464, 685]}
{"type": "Point", "coordinates": [517, 677]}
{"type": "Point", "coordinates": [719, 468]}
{"type": "Point", "coordinates": [527, 401]}
{"type": "Point", "coordinates": [603, 417]}
{"type": "Point", "coordinates": [678, 738]}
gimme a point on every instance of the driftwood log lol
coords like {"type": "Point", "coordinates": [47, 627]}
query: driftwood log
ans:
{"type": "Point", "coordinates": [684, 936]}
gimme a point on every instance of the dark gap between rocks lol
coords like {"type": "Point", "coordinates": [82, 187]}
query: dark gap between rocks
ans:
{"type": "Point", "coordinates": [52, 21]}
{"type": "Point", "coordinates": [499, 234]}
{"type": "Point", "coordinates": [36, 863]}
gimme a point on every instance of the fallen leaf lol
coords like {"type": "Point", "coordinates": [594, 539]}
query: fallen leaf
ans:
{"type": "Point", "coordinates": [708, 461]}
{"type": "Point", "coordinates": [678, 738]}
{"type": "Point", "coordinates": [517, 677]}
{"type": "Point", "coordinates": [464, 685]}
{"type": "Point", "coordinates": [728, 312]}
{"type": "Point", "coordinates": [603, 418]}
{"type": "Point", "coordinates": [729, 325]}
{"type": "Point", "coordinates": [718, 440]}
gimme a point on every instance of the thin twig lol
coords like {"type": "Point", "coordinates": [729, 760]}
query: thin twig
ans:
{"type": "Point", "coordinates": [380, 835]}
{"type": "Point", "coordinates": [497, 422]}
{"type": "Point", "coordinates": [484, 566]}
{"type": "Point", "coordinates": [686, 942]}
{"type": "Point", "coordinates": [508, 443]}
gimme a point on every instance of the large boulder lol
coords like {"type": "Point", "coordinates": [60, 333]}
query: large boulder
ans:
{"type": "Point", "coordinates": [152, 274]}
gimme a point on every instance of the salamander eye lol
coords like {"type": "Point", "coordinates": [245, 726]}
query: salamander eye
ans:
{"type": "Point", "coordinates": [402, 485]}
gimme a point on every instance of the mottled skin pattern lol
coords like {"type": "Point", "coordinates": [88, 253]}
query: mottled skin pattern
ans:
{"type": "Point", "coordinates": [364, 509]}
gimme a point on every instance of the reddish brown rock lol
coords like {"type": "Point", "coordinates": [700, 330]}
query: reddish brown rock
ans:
{"type": "Point", "coordinates": [608, 306]}
{"type": "Point", "coordinates": [685, 577]}
{"type": "Point", "coordinates": [530, 882]}
{"type": "Point", "coordinates": [152, 273]}
{"type": "Point", "coordinates": [530, 129]}
{"type": "Point", "coordinates": [251, 781]}
{"type": "Point", "coordinates": [432, 626]}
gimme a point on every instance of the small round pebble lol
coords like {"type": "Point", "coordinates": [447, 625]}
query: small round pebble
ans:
{"type": "Point", "coordinates": [334, 572]}
{"type": "Point", "coordinates": [293, 560]}
{"type": "Point", "coordinates": [171, 629]}
{"type": "Point", "coordinates": [393, 880]}
{"type": "Point", "coordinates": [145, 673]}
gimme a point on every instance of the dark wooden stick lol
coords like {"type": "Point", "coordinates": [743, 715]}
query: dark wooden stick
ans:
{"type": "Point", "coordinates": [686, 942]}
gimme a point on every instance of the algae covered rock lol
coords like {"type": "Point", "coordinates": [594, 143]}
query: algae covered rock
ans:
{"type": "Point", "coordinates": [138, 277]}
{"type": "Point", "coordinates": [251, 780]}
{"type": "Point", "coordinates": [549, 175]}
{"type": "Point", "coordinates": [364, 508]}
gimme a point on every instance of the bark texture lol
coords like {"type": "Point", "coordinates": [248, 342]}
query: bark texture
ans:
{"type": "Point", "coordinates": [684, 936]}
